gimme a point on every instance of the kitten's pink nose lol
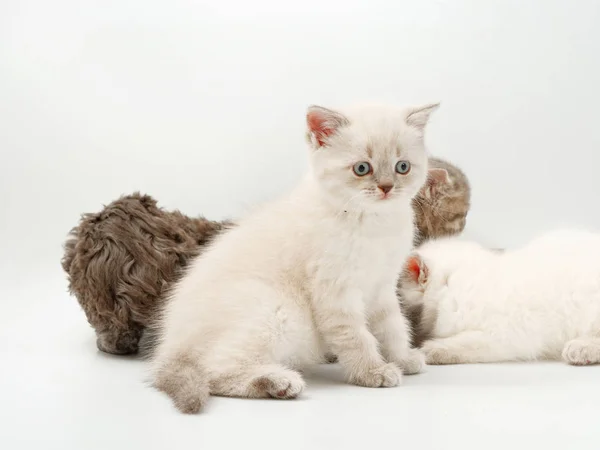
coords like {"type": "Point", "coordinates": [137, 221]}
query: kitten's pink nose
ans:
{"type": "Point", "coordinates": [385, 188]}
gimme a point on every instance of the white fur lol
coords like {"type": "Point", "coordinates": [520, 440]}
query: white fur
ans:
{"type": "Point", "coordinates": [538, 302]}
{"type": "Point", "coordinates": [309, 273]}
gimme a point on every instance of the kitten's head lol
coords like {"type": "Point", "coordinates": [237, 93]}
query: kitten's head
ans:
{"type": "Point", "coordinates": [428, 270]}
{"type": "Point", "coordinates": [442, 204]}
{"type": "Point", "coordinates": [370, 157]}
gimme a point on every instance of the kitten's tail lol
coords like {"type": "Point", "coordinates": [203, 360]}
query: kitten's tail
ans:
{"type": "Point", "coordinates": [183, 379]}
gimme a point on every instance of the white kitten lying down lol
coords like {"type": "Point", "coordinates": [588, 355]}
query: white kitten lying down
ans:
{"type": "Point", "coordinates": [312, 272]}
{"type": "Point", "coordinates": [479, 305]}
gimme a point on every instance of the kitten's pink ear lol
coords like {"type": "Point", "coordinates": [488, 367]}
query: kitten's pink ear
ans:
{"type": "Point", "coordinates": [416, 269]}
{"type": "Point", "coordinates": [435, 179]}
{"type": "Point", "coordinates": [322, 123]}
{"type": "Point", "coordinates": [418, 117]}
{"type": "Point", "coordinates": [438, 176]}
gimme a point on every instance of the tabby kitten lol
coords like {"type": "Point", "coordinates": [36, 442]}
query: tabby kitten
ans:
{"type": "Point", "coordinates": [441, 208]}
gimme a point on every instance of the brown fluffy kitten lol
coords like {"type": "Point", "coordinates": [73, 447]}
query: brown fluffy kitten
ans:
{"type": "Point", "coordinates": [121, 260]}
{"type": "Point", "coordinates": [441, 208]}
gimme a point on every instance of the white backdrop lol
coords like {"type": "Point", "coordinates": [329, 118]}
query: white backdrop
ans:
{"type": "Point", "coordinates": [201, 104]}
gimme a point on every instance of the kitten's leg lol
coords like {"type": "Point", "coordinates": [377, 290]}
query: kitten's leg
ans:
{"type": "Point", "coordinates": [183, 378]}
{"type": "Point", "coordinates": [257, 381]}
{"type": "Point", "coordinates": [582, 351]}
{"type": "Point", "coordinates": [343, 325]}
{"type": "Point", "coordinates": [464, 348]}
{"type": "Point", "coordinates": [254, 359]}
{"type": "Point", "coordinates": [391, 329]}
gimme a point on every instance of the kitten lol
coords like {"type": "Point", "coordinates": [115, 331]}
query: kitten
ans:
{"type": "Point", "coordinates": [441, 207]}
{"type": "Point", "coordinates": [479, 305]}
{"type": "Point", "coordinates": [312, 272]}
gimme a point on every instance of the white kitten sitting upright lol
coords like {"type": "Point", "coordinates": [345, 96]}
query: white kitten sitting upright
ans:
{"type": "Point", "coordinates": [480, 305]}
{"type": "Point", "coordinates": [312, 272]}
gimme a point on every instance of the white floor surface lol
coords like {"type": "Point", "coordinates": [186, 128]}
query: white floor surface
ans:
{"type": "Point", "coordinates": [58, 392]}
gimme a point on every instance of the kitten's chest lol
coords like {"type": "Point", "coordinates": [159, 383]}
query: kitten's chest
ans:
{"type": "Point", "coordinates": [365, 254]}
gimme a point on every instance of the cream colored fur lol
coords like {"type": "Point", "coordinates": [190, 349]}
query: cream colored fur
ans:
{"type": "Point", "coordinates": [310, 273]}
{"type": "Point", "coordinates": [538, 302]}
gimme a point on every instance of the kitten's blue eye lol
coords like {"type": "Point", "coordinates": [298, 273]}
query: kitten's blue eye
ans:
{"type": "Point", "coordinates": [402, 167]}
{"type": "Point", "coordinates": [362, 168]}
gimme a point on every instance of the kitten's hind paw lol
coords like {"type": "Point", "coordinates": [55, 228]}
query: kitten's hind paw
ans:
{"type": "Point", "coordinates": [286, 384]}
{"type": "Point", "coordinates": [437, 354]}
{"type": "Point", "coordinates": [582, 352]}
{"type": "Point", "coordinates": [387, 375]}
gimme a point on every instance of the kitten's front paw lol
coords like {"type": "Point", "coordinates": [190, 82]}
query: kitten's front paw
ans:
{"type": "Point", "coordinates": [285, 384]}
{"type": "Point", "coordinates": [412, 363]}
{"type": "Point", "coordinates": [436, 354]}
{"type": "Point", "coordinates": [387, 375]}
{"type": "Point", "coordinates": [581, 352]}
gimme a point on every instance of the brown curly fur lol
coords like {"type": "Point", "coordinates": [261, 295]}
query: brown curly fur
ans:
{"type": "Point", "coordinates": [121, 260]}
